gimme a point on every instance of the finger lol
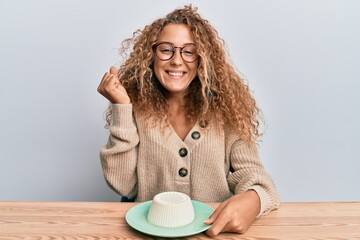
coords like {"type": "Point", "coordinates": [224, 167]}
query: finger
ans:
{"type": "Point", "coordinates": [106, 83]}
{"type": "Point", "coordinates": [218, 225]}
{"type": "Point", "coordinates": [105, 75]}
{"type": "Point", "coordinates": [112, 80]}
{"type": "Point", "coordinates": [215, 214]}
{"type": "Point", "coordinates": [229, 227]}
{"type": "Point", "coordinates": [105, 78]}
{"type": "Point", "coordinates": [234, 228]}
{"type": "Point", "coordinates": [113, 71]}
{"type": "Point", "coordinates": [103, 81]}
{"type": "Point", "coordinates": [115, 74]}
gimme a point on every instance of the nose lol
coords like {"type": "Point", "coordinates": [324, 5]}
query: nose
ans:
{"type": "Point", "coordinates": [176, 59]}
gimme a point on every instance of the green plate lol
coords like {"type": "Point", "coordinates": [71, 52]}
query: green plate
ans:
{"type": "Point", "coordinates": [136, 217]}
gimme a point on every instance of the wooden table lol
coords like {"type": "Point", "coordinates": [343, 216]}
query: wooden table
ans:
{"type": "Point", "coordinates": [105, 220]}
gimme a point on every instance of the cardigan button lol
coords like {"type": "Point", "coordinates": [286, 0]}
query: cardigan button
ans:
{"type": "Point", "coordinates": [195, 135]}
{"type": "Point", "coordinates": [183, 172]}
{"type": "Point", "coordinates": [183, 152]}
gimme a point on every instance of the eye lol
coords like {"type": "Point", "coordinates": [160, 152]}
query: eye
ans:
{"type": "Point", "coordinates": [189, 51]}
{"type": "Point", "coordinates": [166, 50]}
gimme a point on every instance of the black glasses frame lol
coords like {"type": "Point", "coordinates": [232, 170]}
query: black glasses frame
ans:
{"type": "Point", "coordinates": [174, 50]}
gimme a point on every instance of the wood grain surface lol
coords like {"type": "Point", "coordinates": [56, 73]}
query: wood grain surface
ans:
{"type": "Point", "coordinates": [106, 220]}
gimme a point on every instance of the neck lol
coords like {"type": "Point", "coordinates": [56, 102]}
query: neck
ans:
{"type": "Point", "coordinates": [177, 99]}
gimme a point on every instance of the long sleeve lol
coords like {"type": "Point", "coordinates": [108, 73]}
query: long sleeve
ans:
{"type": "Point", "coordinates": [119, 155]}
{"type": "Point", "coordinates": [249, 173]}
{"type": "Point", "coordinates": [156, 164]}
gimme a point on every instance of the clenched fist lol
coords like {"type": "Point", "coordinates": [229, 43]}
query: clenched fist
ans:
{"type": "Point", "coordinates": [111, 88]}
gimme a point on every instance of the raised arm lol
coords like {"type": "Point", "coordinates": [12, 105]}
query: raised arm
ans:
{"type": "Point", "coordinates": [119, 155]}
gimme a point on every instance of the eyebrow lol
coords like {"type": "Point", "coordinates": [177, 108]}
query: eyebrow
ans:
{"type": "Point", "coordinates": [185, 44]}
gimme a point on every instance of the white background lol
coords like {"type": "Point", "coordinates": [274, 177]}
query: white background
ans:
{"type": "Point", "coordinates": [301, 59]}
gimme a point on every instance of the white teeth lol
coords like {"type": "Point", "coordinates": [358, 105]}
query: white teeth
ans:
{"type": "Point", "coordinates": [176, 74]}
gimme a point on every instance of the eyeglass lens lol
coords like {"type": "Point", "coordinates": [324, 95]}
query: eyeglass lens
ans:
{"type": "Point", "coordinates": [165, 51]}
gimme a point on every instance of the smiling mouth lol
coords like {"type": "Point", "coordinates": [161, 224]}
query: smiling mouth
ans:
{"type": "Point", "coordinates": [175, 74]}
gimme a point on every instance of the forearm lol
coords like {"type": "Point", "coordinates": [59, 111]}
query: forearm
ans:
{"type": "Point", "coordinates": [119, 155]}
{"type": "Point", "coordinates": [249, 174]}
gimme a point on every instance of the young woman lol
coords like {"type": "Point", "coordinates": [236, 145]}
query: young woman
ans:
{"type": "Point", "coordinates": [182, 119]}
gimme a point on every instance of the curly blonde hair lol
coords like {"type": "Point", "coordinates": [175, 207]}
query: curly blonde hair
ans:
{"type": "Point", "coordinates": [218, 92]}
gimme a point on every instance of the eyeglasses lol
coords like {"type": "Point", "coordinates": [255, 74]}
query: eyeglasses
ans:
{"type": "Point", "coordinates": [165, 51]}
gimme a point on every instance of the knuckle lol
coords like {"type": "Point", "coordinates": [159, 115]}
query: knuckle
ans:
{"type": "Point", "coordinates": [107, 89]}
{"type": "Point", "coordinates": [211, 232]}
{"type": "Point", "coordinates": [241, 228]}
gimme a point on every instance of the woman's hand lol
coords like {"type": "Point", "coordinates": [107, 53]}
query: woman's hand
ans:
{"type": "Point", "coordinates": [235, 214]}
{"type": "Point", "coordinates": [111, 88]}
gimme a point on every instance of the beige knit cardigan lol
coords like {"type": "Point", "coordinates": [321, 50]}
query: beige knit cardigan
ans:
{"type": "Point", "coordinates": [210, 165]}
